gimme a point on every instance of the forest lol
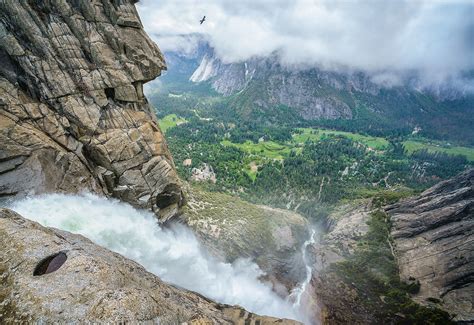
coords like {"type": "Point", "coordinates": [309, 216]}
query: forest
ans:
{"type": "Point", "coordinates": [275, 161]}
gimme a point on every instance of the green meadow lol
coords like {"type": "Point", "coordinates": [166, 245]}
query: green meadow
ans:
{"type": "Point", "coordinates": [376, 143]}
{"type": "Point", "coordinates": [170, 121]}
{"type": "Point", "coordinates": [413, 145]}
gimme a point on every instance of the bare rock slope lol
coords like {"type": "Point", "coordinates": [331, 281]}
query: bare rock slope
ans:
{"type": "Point", "coordinates": [232, 228]}
{"type": "Point", "coordinates": [72, 111]}
{"type": "Point", "coordinates": [53, 276]}
{"type": "Point", "coordinates": [434, 237]}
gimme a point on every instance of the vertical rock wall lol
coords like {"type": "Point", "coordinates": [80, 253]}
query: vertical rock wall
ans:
{"type": "Point", "coordinates": [73, 115]}
{"type": "Point", "coordinates": [434, 237]}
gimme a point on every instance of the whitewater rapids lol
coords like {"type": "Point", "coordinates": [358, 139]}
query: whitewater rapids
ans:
{"type": "Point", "coordinates": [173, 254]}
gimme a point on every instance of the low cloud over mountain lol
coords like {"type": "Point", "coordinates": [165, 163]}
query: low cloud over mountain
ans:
{"type": "Point", "coordinates": [390, 39]}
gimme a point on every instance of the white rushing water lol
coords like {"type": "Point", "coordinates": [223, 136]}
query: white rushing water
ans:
{"type": "Point", "coordinates": [298, 292]}
{"type": "Point", "coordinates": [173, 254]}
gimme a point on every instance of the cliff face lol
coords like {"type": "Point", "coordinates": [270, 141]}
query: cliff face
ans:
{"type": "Point", "coordinates": [434, 237]}
{"type": "Point", "coordinates": [92, 284]}
{"type": "Point", "coordinates": [72, 111]}
{"type": "Point", "coordinates": [339, 300]}
{"type": "Point", "coordinates": [264, 85]}
{"type": "Point", "coordinates": [272, 84]}
{"type": "Point", "coordinates": [431, 247]}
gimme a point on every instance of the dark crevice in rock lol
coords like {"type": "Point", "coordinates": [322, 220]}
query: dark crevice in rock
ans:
{"type": "Point", "coordinates": [15, 74]}
{"type": "Point", "coordinates": [459, 282]}
{"type": "Point", "coordinates": [5, 159]}
{"type": "Point", "coordinates": [4, 194]}
{"type": "Point", "coordinates": [110, 93]}
{"type": "Point", "coordinates": [50, 264]}
{"type": "Point", "coordinates": [42, 8]}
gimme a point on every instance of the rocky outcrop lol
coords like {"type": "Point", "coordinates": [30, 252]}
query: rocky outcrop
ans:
{"type": "Point", "coordinates": [49, 275]}
{"type": "Point", "coordinates": [429, 244]}
{"type": "Point", "coordinates": [72, 111]}
{"type": "Point", "coordinates": [204, 174]}
{"type": "Point", "coordinates": [434, 237]}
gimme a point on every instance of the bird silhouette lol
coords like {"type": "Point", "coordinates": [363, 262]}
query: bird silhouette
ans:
{"type": "Point", "coordinates": [203, 20]}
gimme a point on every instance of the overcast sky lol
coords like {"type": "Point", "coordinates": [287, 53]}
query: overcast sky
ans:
{"type": "Point", "coordinates": [435, 38]}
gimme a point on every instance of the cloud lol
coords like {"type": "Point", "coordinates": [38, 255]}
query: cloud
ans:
{"type": "Point", "coordinates": [429, 37]}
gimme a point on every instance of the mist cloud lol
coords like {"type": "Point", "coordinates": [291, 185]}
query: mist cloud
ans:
{"type": "Point", "coordinates": [386, 38]}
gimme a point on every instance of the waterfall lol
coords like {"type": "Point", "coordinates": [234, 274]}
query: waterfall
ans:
{"type": "Point", "coordinates": [174, 254]}
{"type": "Point", "coordinates": [298, 292]}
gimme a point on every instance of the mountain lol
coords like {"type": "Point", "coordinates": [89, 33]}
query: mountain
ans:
{"type": "Point", "coordinates": [351, 100]}
{"type": "Point", "coordinates": [180, 65]}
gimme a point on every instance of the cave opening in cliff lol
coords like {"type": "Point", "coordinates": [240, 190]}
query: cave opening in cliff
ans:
{"type": "Point", "coordinates": [50, 264]}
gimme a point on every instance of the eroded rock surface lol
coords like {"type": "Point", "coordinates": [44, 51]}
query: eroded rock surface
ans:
{"type": "Point", "coordinates": [433, 245]}
{"type": "Point", "coordinates": [93, 284]}
{"type": "Point", "coordinates": [72, 111]}
{"type": "Point", "coordinates": [434, 237]}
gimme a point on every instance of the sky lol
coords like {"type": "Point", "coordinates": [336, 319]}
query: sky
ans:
{"type": "Point", "coordinates": [433, 38]}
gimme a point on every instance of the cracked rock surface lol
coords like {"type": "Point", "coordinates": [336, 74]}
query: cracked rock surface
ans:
{"type": "Point", "coordinates": [73, 115]}
{"type": "Point", "coordinates": [94, 285]}
{"type": "Point", "coordinates": [434, 236]}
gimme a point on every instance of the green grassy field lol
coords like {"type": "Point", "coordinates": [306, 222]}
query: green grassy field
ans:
{"type": "Point", "coordinates": [375, 143]}
{"type": "Point", "coordinates": [267, 149]}
{"type": "Point", "coordinates": [274, 150]}
{"type": "Point", "coordinates": [412, 146]}
{"type": "Point", "coordinates": [170, 121]}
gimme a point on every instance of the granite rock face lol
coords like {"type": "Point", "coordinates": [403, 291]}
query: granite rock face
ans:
{"type": "Point", "coordinates": [92, 284]}
{"type": "Point", "coordinates": [433, 245]}
{"type": "Point", "coordinates": [73, 115]}
{"type": "Point", "coordinates": [434, 237]}
{"type": "Point", "coordinates": [275, 85]}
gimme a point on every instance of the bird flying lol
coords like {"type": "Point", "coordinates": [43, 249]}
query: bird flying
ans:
{"type": "Point", "coordinates": [203, 20]}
